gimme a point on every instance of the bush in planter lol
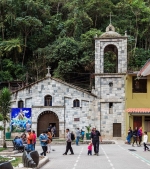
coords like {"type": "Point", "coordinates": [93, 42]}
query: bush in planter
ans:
{"type": "Point", "coordinates": [88, 134]}
{"type": "Point", "coordinates": [8, 133]}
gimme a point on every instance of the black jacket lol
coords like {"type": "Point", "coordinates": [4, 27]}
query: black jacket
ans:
{"type": "Point", "coordinates": [95, 135]}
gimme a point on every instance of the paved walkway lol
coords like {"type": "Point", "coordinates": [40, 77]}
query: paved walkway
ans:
{"type": "Point", "coordinates": [114, 156]}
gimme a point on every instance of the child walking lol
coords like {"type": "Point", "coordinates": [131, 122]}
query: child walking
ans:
{"type": "Point", "coordinates": [145, 139]}
{"type": "Point", "coordinates": [90, 149]}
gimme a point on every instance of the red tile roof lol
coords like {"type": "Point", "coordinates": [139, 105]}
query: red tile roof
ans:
{"type": "Point", "coordinates": [138, 110]}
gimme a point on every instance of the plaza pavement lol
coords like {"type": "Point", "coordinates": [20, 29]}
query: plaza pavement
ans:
{"type": "Point", "coordinates": [111, 156]}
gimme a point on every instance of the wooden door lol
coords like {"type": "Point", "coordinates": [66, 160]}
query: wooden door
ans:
{"type": "Point", "coordinates": [137, 122]}
{"type": "Point", "coordinates": [45, 119]}
{"type": "Point", "coordinates": [116, 129]}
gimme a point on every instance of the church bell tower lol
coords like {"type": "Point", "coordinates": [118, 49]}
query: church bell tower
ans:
{"type": "Point", "coordinates": [110, 72]}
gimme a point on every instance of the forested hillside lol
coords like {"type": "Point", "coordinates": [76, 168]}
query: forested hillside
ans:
{"type": "Point", "coordinates": [35, 34]}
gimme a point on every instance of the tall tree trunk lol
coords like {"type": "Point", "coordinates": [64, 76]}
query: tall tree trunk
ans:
{"type": "Point", "coordinates": [3, 33]}
{"type": "Point", "coordinates": [4, 131]}
{"type": "Point", "coordinates": [95, 21]}
{"type": "Point", "coordinates": [25, 44]}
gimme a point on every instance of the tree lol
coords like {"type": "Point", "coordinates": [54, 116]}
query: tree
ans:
{"type": "Point", "coordinates": [5, 98]}
{"type": "Point", "coordinates": [27, 25]}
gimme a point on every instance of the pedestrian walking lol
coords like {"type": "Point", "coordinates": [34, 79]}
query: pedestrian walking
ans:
{"type": "Point", "coordinates": [34, 139]}
{"type": "Point", "coordinates": [43, 141]}
{"type": "Point", "coordinates": [145, 139]}
{"type": "Point", "coordinates": [82, 134]}
{"type": "Point", "coordinates": [90, 149]}
{"type": "Point", "coordinates": [135, 136]}
{"type": "Point", "coordinates": [96, 138]}
{"type": "Point", "coordinates": [68, 143]}
{"type": "Point", "coordinates": [129, 136]}
{"type": "Point", "coordinates": [140, 133]}
{"type": "Point", "coordinates": [53, 130]}
{"type": "Point", "coordinates": [49, 128]}
{"type": "Point", "coordinates": [30, 141]}
{"type": "Point", "coordinates": [49, 135]}
{"type": "Point", "coordinates": [77, 136]}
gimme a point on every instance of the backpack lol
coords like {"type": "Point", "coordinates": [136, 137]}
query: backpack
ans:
{"type": "Point", "coordinates": [72, 137]}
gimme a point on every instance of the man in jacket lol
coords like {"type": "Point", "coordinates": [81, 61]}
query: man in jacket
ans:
{"type": "Point", "coordinates": [96, 138]}
{"type": "Point", "coordinates": [68, 141]}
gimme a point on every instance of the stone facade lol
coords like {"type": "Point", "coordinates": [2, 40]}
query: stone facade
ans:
{"type": "Point", "coordinates": [63, 95]}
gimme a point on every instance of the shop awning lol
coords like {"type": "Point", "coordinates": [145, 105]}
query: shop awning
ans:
{"type": "Point", "coordinates": [138, 110]}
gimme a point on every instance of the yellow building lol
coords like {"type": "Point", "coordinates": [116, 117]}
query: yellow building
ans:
{"type": "Point", "coordinates": [137, 102]}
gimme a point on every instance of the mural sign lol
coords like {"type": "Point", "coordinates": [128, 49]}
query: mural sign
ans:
{"type": "Point", "coordinates": [20, 119]}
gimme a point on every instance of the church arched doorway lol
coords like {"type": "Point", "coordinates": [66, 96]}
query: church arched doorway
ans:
{"type": "Point", "coordinates": [45, 119]}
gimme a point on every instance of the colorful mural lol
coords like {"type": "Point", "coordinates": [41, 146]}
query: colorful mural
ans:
{"type": "Point", "coordinates": [20, 119]}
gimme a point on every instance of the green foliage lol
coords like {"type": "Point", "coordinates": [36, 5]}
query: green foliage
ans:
{"type": "Point", "coordinates": [60, 33]}
{"type": "Point", "coordinates": [8, 129]}
{"type": "Point", "coordinates": [110, 62]}
{"type": "Point", "coordinates": [139, 59]}
{"type": "Point", "coordinates": [5, 98]}
{"type": "Point", "coordinates": [88, 128]}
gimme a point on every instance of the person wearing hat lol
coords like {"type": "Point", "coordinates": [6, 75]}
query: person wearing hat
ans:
{"type": "Point", "coordinates": [30, 141]}
{"type": "Point", "coordinates": [96, 138]}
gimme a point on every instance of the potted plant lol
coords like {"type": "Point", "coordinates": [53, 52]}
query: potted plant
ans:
{"type": "Point", "coordinates": [8, 133]}
{"type": "Point", "coordinates": [88, 134]}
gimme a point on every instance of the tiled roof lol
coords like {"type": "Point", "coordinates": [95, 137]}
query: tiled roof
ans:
{"type": "Point", "coordinates": [145, 70]}
{"type": "Point", "coordinates": [138, 110]}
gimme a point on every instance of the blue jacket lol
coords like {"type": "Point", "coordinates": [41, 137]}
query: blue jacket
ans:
{"type": "Point", "coordinates": [43, 137]}
{"type": "Point", "coordinates": [18, 142]}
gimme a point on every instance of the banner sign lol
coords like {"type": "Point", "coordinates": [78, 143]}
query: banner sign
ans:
{"type": "Point", "coordinates": [20, 119]}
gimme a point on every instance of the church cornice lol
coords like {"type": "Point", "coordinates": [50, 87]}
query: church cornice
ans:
{"type": "Point", "coordinates": [110, 74]}
{"type": "Point", "coordinates": [121, 37]}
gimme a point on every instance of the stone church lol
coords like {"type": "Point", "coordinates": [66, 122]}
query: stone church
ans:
{"type": "Point", "coordinates": [64, 105]}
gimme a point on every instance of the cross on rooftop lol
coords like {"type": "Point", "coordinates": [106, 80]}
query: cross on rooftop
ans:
{"type": "Point", "coordinates": [110, 17]}
{"type": "Point", "coordinates": [48, 73]}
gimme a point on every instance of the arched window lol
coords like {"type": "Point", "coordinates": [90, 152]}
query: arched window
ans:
{"type": "Point", "coordinates": [76, 103]}
{"type": "Point", "coordinates": [20, 104]}
{"type": "Point", "coordinates": [48, 100]}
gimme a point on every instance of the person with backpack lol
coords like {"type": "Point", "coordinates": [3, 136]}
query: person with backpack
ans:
{"type": "Point", "coordinates": [68, 142]}
{"type": "Point", "coordinates": [72, 136]}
